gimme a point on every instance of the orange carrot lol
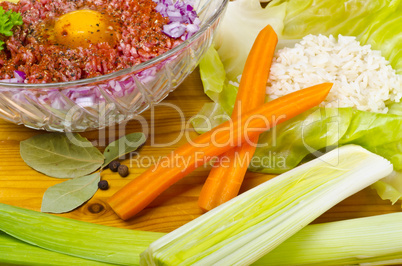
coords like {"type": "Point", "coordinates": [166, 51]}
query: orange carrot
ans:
{"type": "Point", "coordinates": [141, 191]}
{"type": "Point", "coordinates": [224, 181]}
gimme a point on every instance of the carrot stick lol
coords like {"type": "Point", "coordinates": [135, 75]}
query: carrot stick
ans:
{"type": "Point", "coordinates": [141, 191]}
{"type": "Point", "coordinates": [224, 181]}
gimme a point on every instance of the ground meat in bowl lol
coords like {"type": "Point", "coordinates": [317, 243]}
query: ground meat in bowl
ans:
{"type": "Point", "coordinates": [136, 26]}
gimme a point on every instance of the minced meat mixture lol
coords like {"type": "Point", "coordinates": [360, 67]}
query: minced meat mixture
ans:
{"type": "Point", "coordinates": [140, 38]}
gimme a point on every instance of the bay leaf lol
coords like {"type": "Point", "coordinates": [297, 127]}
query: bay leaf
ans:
{"type": "Point", "coordinates": [61, 155]}
{"type": "Point", "coordinates": [70, 194]}
{"type": "Point", "coordinates": [123, 146]}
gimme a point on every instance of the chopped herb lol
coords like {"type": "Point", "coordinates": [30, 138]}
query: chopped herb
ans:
{"type": "Point", "coordinates": [8, 20]}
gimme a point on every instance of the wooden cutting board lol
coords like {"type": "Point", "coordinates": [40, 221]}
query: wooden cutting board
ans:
{"type": "Point", "coordinates": [22, 186]}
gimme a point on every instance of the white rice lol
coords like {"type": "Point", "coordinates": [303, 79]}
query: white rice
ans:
{"type": "Point", "coordinates": [362, 78]}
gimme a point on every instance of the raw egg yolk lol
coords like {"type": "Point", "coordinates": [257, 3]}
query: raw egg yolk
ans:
{"type": "Point", "coordinates": [82, 27]}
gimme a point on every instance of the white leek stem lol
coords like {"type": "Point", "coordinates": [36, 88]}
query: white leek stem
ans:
{"type": "Point", "coordinates": [249, 226]}
{"type": "Point", "coordinates": [375, 240]}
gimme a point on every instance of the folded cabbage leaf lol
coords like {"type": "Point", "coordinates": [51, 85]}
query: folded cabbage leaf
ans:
{"type": "Point", "coordinates": [319, 130]}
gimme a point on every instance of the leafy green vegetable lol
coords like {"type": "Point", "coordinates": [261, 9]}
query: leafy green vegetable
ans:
{"type": "Point", "coordinates": [395, 108]}
{"type": "Point", "coordinates": [122, 146]}
{"type": "Point", "coordinates": [325, 128]}
{"type": "Point", "coordinates": [8, 20]}
{"type": "Point", "coordinates": [91, 241]}
{"type": "Point", "coordinates": [214, 81]}
{"type": "Point", "coordinates": [367, 240]}
{"type": "Point", "coordinates": [373, 240]}
{"type": "Point", "coordinates": [61, 155]}
{"type": "Point", "coordinates": [216, 87]}
{"type": "Point", "coordinates": [385, 35]}
{"type": "Point", "coordinates": [390, 188]}
{"type": "Point", "coordinates": [17, 252]}
{"type": "Point", "coordinates": [70, 194]}
{"type": "Point", "coordinates": [212, 73]}
{"type": "Point", "coordinates": [334, 17]}
{"type": "Point", "coordinates": [210, 116]}
{"type": "Point", "coordinates": [239, 28]}
{"type": "Point", "coordinates": [376, 23]}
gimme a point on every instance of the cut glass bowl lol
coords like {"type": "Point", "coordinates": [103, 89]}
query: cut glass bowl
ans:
{"type": "Point", "coordinates": [95, 103]}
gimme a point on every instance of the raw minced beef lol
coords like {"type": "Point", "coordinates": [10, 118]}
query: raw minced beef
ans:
{"type": "Point", "coordinates": [140, 39]}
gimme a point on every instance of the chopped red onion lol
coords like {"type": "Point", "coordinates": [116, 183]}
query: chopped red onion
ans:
{"type": "Point", "coordinates": [19, 77]}
{"type": "Point", "coordinates": [184, 21]}
{"type": "Point", "coordinates": [86, 101]}
{"type": "Point", "coordinates": [19, 74]}
{"type": "Point", "coordinates": [174, 29]}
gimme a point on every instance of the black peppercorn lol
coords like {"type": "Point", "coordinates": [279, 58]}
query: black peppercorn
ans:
{"type": "Point", "coordinates": [103, 185]}
{"type": "Point", "coordinates": [123, 170]}
{"type": "Point", "coordinates": [113, 165]}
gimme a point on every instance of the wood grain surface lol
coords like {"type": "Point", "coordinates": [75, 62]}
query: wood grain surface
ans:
{"type": "Point", "coordinates": [22, 186]}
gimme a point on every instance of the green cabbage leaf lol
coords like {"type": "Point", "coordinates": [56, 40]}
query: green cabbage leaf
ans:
{"type": "Point", "coordinates": [390, 187]}
{"type": "Point", "coordinates": [243, 21]}
{"type": "Point", "coordinates": [319, 130]}
{"type": "Point", "coordinates": [377, 23]}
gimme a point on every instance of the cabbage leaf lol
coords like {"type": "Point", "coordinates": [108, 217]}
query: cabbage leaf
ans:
{"type": "Point", "coordinates": [243, 21]}
{"type": "Point", "coordinates": [377, 23]}
{"type": "Point", "coordinates": [390, 187]}
{"type": "Point", "coordinates": [322, 129]}
{"type": "Point", "coordinates": [215, 84]}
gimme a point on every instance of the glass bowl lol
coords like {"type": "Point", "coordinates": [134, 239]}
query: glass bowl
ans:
{"type": "Point", "coordinates": [95, 103]}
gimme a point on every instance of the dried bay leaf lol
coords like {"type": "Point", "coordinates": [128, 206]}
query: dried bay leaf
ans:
{"type": "Point", "coordinates": [70, 194]}
{"type": "Point", "coordinates": [122, 146]}
{"type": "Point", "coordinates": [61, 155]}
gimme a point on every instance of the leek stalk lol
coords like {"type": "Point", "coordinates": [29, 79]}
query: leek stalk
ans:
{"type": "Point", "coordinates": [251, 225]}
{"type": "Point", "coordinates": [17, 252]}
{"type": "Point", "coordinates": [366, 241]}
{"type": "Point", "coordinates": [375, 240]}
{"type": "Point", "coordinates": [76, 238]}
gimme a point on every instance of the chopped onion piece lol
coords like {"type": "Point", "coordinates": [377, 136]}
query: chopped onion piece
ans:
{"type": "Point", "coordinates": [19, 77]}
{"type": "Point", "coordinates": [174, 29]}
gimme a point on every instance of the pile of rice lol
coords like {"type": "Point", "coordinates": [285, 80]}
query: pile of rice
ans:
{"type": "Point", "coordinates": [362, 78]}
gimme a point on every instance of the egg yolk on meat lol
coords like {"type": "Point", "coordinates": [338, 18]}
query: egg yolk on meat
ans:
{"type": "Point", "coordinates": [81, 27]}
